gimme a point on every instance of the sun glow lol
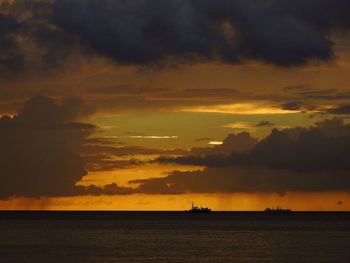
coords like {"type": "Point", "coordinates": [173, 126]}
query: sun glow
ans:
{"type": "Point", "coordinates": [215, 143]}
{"type": "Point", "coordinates": [218, 202]}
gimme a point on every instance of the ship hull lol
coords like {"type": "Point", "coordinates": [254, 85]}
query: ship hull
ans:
{"type": "Point", "coordinates": [278, 212]}
{"type": "Point", "coordinates": [198, 211]}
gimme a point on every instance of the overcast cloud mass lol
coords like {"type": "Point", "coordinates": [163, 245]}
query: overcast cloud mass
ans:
{"type": "Point", "coordinates": [261, 70]}
{"type": "Point", "coordinates": [44, 33]}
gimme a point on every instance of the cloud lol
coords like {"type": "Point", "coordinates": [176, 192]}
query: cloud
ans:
{"type": "Point", "coordinates": [109, 189]}
{"type": "Point", "coordinates": [298, 159]}
{"type": "Point", "coordinates": [264, 123]}
{"type": "Point", "coordinates": [304, 92]}
{"type": "Point", "coordinates": [105, 155]}
{"type": "Point", "coordinates": [43, 110]}
{"type": "Point", "coordinates": [341, 109]}
{"type": "Point", "coordinates": [278, 32]}
{"type": "Point", "coordinates": [9, 53]}
{"type": "Point", "coordinates": [39, 153]}
{"type": "Point", "coordinates": [217, 156]}
{"type": "Point", "coordinates": [239, 108]}
{"type": "Point", "coordinates": [30, 42]}
{"type": "Point", "coordinates": [45, 34]}
{"type": "Point", "coordinates": [46, 151]}
{"type": "Point", "coordinates": [297, 106]}
{"type": "Point", "coordinates": [307, 99]}
{"type": "Point", "coordinates": [292, 99]}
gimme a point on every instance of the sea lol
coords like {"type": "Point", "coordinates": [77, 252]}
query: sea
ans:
{"type": "Point", "coordinates": [160, 237]}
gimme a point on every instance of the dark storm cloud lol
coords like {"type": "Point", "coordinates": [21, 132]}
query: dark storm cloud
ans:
{"type": "Point", "coordinates": [39, 149]}
{"type": "Point", "coordinates": [29, 41]}
{"type": "Point", "coordinates": [10, 55]}
{"type": "Point", "coordinates": [298, 159]}
{"type": "Point", "coordinates": [43, 34]}
{"type": "Point", "coordinates": [142, 31]}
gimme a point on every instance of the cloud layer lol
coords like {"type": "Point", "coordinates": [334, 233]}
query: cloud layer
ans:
{"type": "Point", "coordinates": [45, 151]}
{"type": "Point", "coordinates": [298, 159]}
{"type": "Point", "coordinates": [279, 32]}
{"type": "Point", "coordinates": [44, 34]}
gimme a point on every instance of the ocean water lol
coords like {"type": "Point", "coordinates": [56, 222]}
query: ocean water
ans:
{"type": "Point", "coordinates": [173, 237]}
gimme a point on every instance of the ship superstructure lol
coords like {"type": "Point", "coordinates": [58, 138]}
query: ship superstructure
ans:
{"type": "Point", "coordinates": [196, 209]}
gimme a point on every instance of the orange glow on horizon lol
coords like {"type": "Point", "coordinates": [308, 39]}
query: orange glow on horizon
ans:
{"type": "Point", "coordinates": [218, 202]}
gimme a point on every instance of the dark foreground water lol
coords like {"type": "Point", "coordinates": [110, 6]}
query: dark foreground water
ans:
{"type": "Point", "coordinates": [173, 237]}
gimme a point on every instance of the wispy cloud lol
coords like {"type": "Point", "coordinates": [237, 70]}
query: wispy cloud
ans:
{"type": "Point", "coordinates": [153, 137]}
{"type": "Point", "coordinates": [215, 143]}
{"type": "Point", "coordinates": [239, 126]}
{"type": "Point", "coordinates": [240, 108]}
{"type": "Point", "coordinates": [145, 137]}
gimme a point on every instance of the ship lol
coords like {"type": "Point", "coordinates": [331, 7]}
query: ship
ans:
{"type": "Point", "coordinates": [277, 210]}
{"type": "Point", "coordinates": [196, 209]}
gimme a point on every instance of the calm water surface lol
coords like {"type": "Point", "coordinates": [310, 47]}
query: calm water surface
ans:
{"type": "Point", "coordinates": [173, 237]}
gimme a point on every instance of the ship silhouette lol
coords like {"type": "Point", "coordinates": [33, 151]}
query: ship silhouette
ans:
{"type": "Point", "coordinates": [196, 209]}
{"type": "Point", "coordinates": [277, 210]}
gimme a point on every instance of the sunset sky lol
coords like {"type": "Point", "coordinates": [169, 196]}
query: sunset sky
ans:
{"type": "Point", "coordinates": [153, 104]}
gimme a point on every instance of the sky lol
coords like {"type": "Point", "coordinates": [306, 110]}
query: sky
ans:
{"type": "Point", "coordinates": [153, 105]}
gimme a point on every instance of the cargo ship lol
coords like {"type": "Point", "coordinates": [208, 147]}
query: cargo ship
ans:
{"type": "Point", "coordinates": [277, 210]}
{"type": "Point", "coordinates": [196, 209]}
